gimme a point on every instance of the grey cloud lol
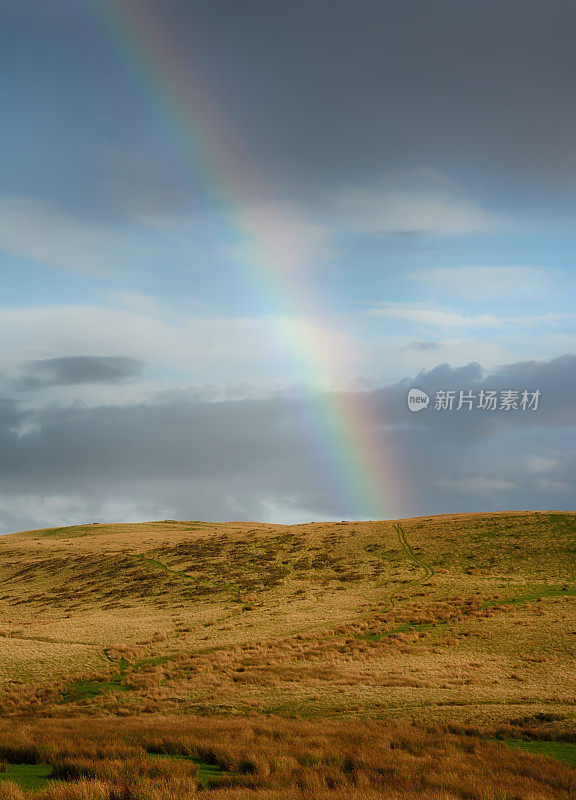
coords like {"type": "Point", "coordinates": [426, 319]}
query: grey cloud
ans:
{"type": "Point", "coordinates": [329, 89]}
{"type": "Point", "coordinates": [320, 94]}
{"type": "Point", "coordinates": [203, 460]}
{"type": "Point", "coordinates": [72, 370]}
{"type": "Point", "coordinates": [555, 379]}
{"type": "Point", "coordinates": [240, 459]}
{"type": "Point", "coordinates": [10, 413]}
{"type": "Point", "coordinates": [479, 460]}
{"type": "Point", "coordinates": [422, 346]}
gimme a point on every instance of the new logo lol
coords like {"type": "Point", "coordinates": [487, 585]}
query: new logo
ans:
{"type": "Point", "coordinates": [417, 400]}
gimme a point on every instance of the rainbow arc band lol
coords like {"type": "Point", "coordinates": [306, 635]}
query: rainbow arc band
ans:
{"type": "Point", "coordinates": [343, 432]}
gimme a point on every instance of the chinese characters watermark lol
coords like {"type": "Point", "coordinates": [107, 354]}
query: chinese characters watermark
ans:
{"type": "Point", "coordinates": [484, 400]}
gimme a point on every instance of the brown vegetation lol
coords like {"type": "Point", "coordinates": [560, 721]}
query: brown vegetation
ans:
{"type": "Point", "coordinates": [133, 657]}
{"type": "Point", "coordinates": [454, 618]}
{"type": "Point", "coordinates": [265, 758]}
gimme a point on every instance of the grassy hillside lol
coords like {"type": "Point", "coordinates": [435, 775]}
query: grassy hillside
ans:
{"type": "Point", "coordinates": [466, 618]}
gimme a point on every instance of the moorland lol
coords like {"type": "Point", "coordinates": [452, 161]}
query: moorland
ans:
{"type": "Point", "coordinates": [424, 657]}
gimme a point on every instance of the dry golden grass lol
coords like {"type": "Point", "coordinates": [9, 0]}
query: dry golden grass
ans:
{"type": "Point", "coordinates": [465, 618]}
{"type": "Point", "coordinates": [267, 759]}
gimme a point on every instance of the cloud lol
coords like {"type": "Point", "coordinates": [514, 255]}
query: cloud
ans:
{"type": "Point", "coordinates": [61, 508]}
{"type": "Point", "coordinates": [91, 243]}
{"type": "Point", "coordinates": [245, 356]}
{"type": "Point", "coordinates": [264, 459]}
{"type": "Point", "coordinates": [445, 318]}
{"type": "Point", "coordinates": [538, 464]}
{"type": "Point", "coordinates": [38, 230]}
{"type": "Point", "coordinates": [477, 485]}
{"type": "Point", "coordinates": [554, 486]}
{"type": "Point", "coordinates": [422, 346]}
{"type": "Point", "coordinates": [416, 203]}
{"type": "Point", "coordinates": [73, 370]}
{"type": "Point", "coordinates": [481, 283]}
{"type": "Point", "coordinates": [420, 313]}
{"type": "Point", "coordinates": [224, 351]}
{"type": "Point", "coordinates": [401, 84]}
{"type": "Point", "coordinates": [276, 232]}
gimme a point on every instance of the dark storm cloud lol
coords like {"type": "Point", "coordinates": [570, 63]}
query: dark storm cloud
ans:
{"type": "Point", "coordinates": [339, 90]}
{"type": "Point", "coordinates": [225, 460]}
{"type": "Point", "coordinates": [72, 370]}
{"type": "Point", "coordinates": [322, 93]}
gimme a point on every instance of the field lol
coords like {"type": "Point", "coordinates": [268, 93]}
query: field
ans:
{"type": "Point", "coordinates": [444, 632]}
{"type": "Point", "coordinates": [259, 758]}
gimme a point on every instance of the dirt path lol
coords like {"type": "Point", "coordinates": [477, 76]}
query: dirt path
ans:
{"type": "Point", "coordinates": [407, 547]}
{"type": "Point", "coordinates": [412, 556]}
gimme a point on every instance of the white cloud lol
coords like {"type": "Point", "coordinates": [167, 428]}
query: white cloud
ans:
{"type": "Point", "coordinates": [244, 357]}
{"type": "Point", "coordinates": [288, 511]}
{"type": "Point", "coordinates": [41, 231]}
{"type": "Point", "coordinates": [420, 202]}
{"type": "Point", "coordinates": [417, 312]}
{"type": "Point", "coordinates": [262, 239]}
{"type": "Point", "coordinates": [486, 282]}
{"type": "Point", "coordinates": [444, 318]}
{"type": "Point", "coordinates": [269, 351]}
{"type": "Point", "coordinates": [34, 509]}
{"type": "Point", "coordinates": [38, 230]}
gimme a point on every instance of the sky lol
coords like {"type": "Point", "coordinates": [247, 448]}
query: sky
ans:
{"type": "Point", "coordinates": [234, 235]}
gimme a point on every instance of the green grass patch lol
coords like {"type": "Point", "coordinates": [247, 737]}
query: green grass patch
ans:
{"type": "Point", "coordinates": [561, 751]}
{"type": "Point", "coordinates": [207, 773]}
{"type": "Point", "coordinates": [405, 627]}
{"type": "Point", "coordinates": [28, 776]}
{"type": "Point", "coordinates": [75, 531]}
{"type": "Point", "coordinates": [84, 690]}
{"type": "Point", "coordinates": [540, 594]}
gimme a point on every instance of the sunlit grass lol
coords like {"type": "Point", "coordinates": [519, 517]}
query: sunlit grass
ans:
{"type": "Point", "coordinates": [28, 776]}
{"type": "Point", "coordinates": [563, 751]}
{"type": "Point", "coordinates": [459, 617]}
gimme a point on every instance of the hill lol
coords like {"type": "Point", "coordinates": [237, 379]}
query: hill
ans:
{"type": "Point", "coordinates": [468, 618]}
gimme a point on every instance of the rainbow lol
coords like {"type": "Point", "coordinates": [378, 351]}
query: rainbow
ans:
{"type": "Point", "coordinates": [342, 430]}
